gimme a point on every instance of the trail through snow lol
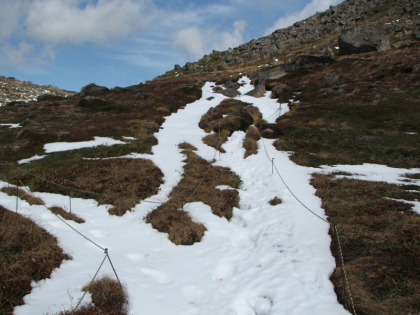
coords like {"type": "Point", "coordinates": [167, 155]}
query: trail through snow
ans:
{"type": "Point", "coordinates": [265, 260]}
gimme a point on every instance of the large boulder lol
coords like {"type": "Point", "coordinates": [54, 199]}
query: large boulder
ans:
{"type": "Point", "coordinates": [93, 90]}
{"type": "Point", "coordinates": [363, 39]}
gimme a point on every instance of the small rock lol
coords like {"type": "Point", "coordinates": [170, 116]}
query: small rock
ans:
{"type": "Point", "coordinates": [416, 32]}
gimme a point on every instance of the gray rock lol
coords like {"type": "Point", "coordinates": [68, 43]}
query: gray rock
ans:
{"type": "Point", "coordinates": [258, 91]}
{"type": "Point", "coordinates": [327, 52]}
{"type": "Point", "coordinates": [334, 90]}
{"type": "Point", "coordinates": [177, 67]}
{"type": "Point", "coordinates": [93, 89]}
{"type": "Point", "coordinates": [139, 96]}
{"type": "Point", "coordinates": [231, 85]}
{"type": "Point", "coordinates": [416, 31]}
{"type": "Point", "coordinates": [331, 78]}
{"type": "Point", "coordinates": [230, 92]}
{"type": "Point", "coordinates": [49, 97]}
{"type": "Point", "coordinates": [363, 39]}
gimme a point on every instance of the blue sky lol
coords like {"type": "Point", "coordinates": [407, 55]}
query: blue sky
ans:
{"type": "Point", "coordinates": [71, 43]}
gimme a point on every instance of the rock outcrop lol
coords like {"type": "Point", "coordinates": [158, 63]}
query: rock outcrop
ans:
{"type": "Point", "coordinates": [363, 39]}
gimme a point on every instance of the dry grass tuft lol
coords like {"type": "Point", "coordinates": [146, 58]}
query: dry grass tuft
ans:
{"type": "Point", "coordinates": [380, 242]}
{"type": "Point", "coordinates": [22, 194]}
{"type": "Point", "coordinates": [66, 215]}
{"type": "Point", "coordinates": [28, 253]}
{"type": "Point", "coordinates": [108, 298]}
{"type": "Point", "coordinates": [250, 142]}
{"type": "Point", "coordinates": [275, 201]}
{"type": "Point", "coordinates": [170, 218]}
{"type": "Point", "coordinates": [228, 116]}
{"type": "Point", "coordinates": [216, 140]}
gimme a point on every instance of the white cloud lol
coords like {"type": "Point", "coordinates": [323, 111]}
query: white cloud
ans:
{"type": "Point", "coordinates": [233, 39]}
{"type": "Point", "coordinates": [67, 21]}
{"type": "Point", "coordinates": [10, 15]}
{"type": "Point", "coordinates": [11, 55]}
{"type": "Point", "coordinates": [191, 40]}
{"type": "Point", "coordinates": [309, 10]}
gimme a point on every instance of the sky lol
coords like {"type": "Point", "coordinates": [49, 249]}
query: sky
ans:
{"type": "Point", "coordinates": [71, 43]}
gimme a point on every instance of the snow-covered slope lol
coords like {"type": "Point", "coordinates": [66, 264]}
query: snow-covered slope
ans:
{"type": "Point", "coordinates": [265, 260]}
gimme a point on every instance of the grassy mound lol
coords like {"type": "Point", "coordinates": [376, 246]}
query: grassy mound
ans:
{"type": "Point", "coordinates": [170, 218]}
{"type": "Point", "coordinates": [27, 253]}
{"type": "Point", "coordinates": [380, 242]}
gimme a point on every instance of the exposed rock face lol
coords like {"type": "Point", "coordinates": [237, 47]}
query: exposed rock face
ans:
{"type": "Point", "coordinates": [333, 21]}
{"type": "Point", "coordinates": [13, 90]}
{"type": "Point", "coordinates": [363, 39]}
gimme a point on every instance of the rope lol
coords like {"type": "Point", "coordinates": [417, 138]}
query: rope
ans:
{"type": "Point", "coordinates": [93, 279]}
{"type": "Point", "coordinates": [73, 189]}
{"type": "Point", "coordinates": [347, 285]}
{"type": "Point", "coordinates": [343, 267]}
{"type": "Point", "coordinates": [112, 265]}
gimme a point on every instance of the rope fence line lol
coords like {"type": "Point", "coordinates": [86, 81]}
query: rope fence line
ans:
{"type": "Point", "coordinates": [332, 224]}
{"type": "Point", "coordinates": [93, 279]}
{"type": "Point", "coordinates": [278, 111]}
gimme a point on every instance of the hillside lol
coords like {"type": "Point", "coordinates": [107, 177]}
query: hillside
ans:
{"type": "Point", "coordinates": [278, 177]}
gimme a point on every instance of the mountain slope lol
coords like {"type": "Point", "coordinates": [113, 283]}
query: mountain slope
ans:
{"type": "Point", "coordinates": [308, 108]}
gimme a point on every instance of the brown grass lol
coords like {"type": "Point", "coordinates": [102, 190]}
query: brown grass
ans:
{"type": "Point", "coordinates": [380, 241]}
{"type": "Point", "coordinates": [250, 142]}
{"type": "Point", "coordinates": [66, 215]}
{"type": "Point", "coordinates": [216, 140]}
{"type": "Point", "coordinates": [108, 297]}
{"type": "Point", "coordinates": [275, 201]}
{"type": "Point", "coordinates": [120, 182]}
{"type": "Point", "coordinates": [170, 218]}
{"type": "Point", "coordinates": [27, 253]}
{"type": "Point", "coordinates": [232, 121]}
{"type": "Point", "coordinates": [22, 194]}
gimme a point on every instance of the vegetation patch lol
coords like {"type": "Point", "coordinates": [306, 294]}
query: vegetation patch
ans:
{"type": "Point", "coordinates": [251, 141]}
{"type": "Point", "coordinates": [228, 115]}
{"type": "Point", "coordinates": [108, 297]}
{"type": "Point", "coordinates": [66, 215]}
{"type": "Point", "coordinates": [198, 183]}
{"type": "Point", "coordinates": [217, 139]}
{"type": "Point", "coordinates": [27, 253]}
{"type": "Point", "coordinates": [357, 110]}
{"type": "Point", "coordinates": [22, 194]}
{"type": "Point", "coordinates": [275, 201]}
{"type": "Point", "coordinates": [120, 182]}
{"type": "Point", "coordinates": [380, 242]}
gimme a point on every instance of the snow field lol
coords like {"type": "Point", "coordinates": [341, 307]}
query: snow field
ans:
{"type": "Point", "coordinates": [265, 260]}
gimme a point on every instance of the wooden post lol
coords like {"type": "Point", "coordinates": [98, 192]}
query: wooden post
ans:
{"type": "Point", "coordinates": [17, 197]}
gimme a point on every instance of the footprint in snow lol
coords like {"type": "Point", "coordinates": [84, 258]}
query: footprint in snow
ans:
{"type": "Point", "coordinates": [223, 272]}
{"type": "Point", "coordinates": [155, 275]}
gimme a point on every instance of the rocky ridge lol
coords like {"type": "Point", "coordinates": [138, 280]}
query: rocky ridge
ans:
{"type": "Point", "coordinates": [13, 90]}
{"type": "Point", "coordinates": [399, 19]}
